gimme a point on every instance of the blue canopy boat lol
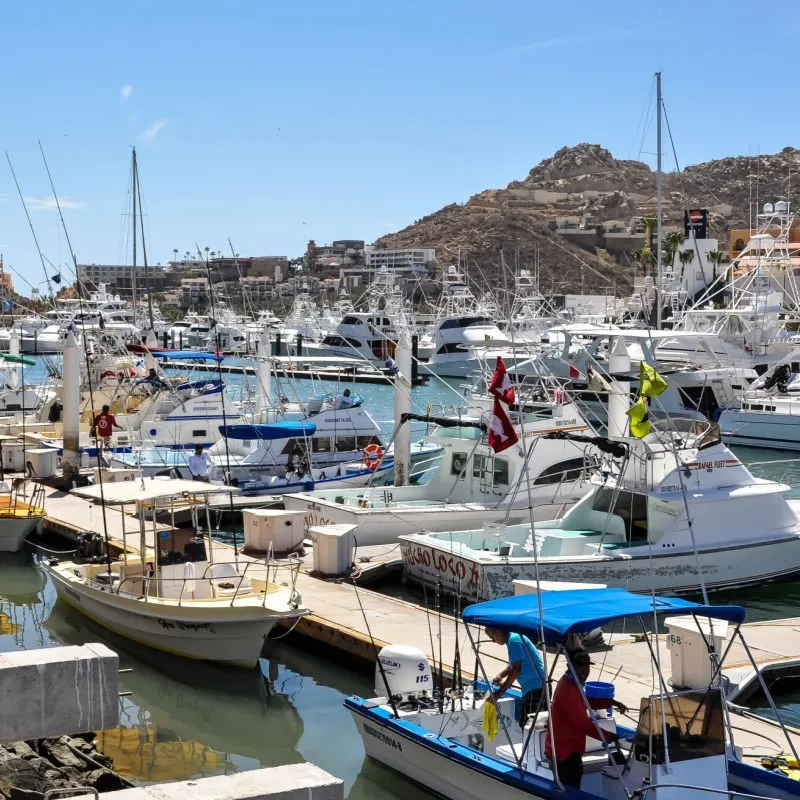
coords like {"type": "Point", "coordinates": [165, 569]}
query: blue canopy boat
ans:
{"type": "Point", "coordinates": [681, 747]}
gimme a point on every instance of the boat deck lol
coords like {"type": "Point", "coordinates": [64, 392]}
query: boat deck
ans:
{"type": "Point", "coordinates": [337, 624]}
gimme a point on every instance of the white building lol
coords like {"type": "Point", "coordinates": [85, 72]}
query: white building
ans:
{"type": "Point", "coordinates": [416, 259]}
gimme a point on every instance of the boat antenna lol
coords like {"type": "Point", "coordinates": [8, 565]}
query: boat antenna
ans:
{"type": "Point", "coordinates": [221, 394]}
{"type": "Point", "coordinates": [374, 646]}
{"type": "Point", "coordinates": [430, 633]}
{"type": "Point", "coordinates": [89, 382]}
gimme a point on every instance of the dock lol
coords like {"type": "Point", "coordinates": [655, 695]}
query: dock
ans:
{"type": "Point", "coordinates": [338, 626]}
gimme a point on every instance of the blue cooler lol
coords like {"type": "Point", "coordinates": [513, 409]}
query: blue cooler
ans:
{"type": "Point", "coordinates": [600, 690]}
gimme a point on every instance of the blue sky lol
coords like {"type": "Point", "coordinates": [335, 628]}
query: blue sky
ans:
{"type": "Point", "coordinates": [271, 123]}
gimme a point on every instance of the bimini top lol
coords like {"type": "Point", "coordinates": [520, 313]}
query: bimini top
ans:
{"type": "Point", "coordinates": [185, 355]}
{"type": "Point", "coordinates": [271, 430]}
{"type": "Point", "coordinates": [583, 610]}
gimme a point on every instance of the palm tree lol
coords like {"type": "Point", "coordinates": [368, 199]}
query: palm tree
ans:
{"type": "Point", "coordinates": [650, 224]}
{"type": "Point", "coordinates": [646, 258]}
{"type": "Point", "coordinates": [672, 241]}
{"type": "Point", "coordinates": [685, 257]}
{"type": "Point", "coordinates": [715, 257]}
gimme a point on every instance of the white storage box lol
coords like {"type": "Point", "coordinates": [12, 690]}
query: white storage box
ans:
{"type": "Point", "coordinates": [114, 474]}
{"type": "Point", "coordinates": [44, 461]}
{"type": "Point", "coordinates": [333, 548]}
{"type": "Point", "coordinates": [530, 587]}
{"type": "Point", "coordinates": [688, 640]}
{"type": "Point", "coordinates": [265, 527]}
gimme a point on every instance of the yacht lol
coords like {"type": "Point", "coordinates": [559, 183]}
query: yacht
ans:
{"type": "Point", "coordinates": [669, 513]}
{"type": "Point", "coordinates": [472, 484]}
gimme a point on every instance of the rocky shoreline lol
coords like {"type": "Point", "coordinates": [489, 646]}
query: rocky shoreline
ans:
{"type": "Point", "coordinates": [29, 769]}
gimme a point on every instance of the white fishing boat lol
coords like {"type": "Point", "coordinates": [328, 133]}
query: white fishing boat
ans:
{"type": "Point", "coordinates": [681, 744]}
{"type": "Point", "coordinates": [665, 513]}
{"type": "Point", "coordinates": [472, 484]}
{"type": "Point", "coordinates": [173, 595]}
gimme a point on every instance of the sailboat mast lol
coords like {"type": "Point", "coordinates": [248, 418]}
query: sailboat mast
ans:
{"type": "Point", "coordinates": [134, 193]}
{"type": "Point", "coordinates": [148, 286]}
{"type": "Point", "coordinates": [659, 209]}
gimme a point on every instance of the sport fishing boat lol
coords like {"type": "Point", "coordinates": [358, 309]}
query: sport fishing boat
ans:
{"type": "Point", "coordinates": [472, 483]}
{"type": "Point", "coordinates": [681, 744]}
{"type": "Point", "coordinates": [665, 513]}
{"type": "Point", "coordinates": [174, 594]}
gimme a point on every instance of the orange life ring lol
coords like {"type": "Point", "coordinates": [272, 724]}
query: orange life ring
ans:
{"type": "Point", "coordinates": [373, 455]}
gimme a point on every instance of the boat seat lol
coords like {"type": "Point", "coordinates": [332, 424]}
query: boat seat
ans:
{"type": "Point", "coordinates": [511, 753]}
{"type": "Point", "coordinates": [314, 406]}
{"type": "Point", "coordinates": [226, 579]}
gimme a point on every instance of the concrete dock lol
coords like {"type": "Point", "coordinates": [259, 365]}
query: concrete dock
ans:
{"type": "Point", "coordinates": [338, 626]}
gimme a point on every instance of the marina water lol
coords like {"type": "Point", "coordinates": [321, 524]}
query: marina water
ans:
{"type": "Point", "coordinates": [184, 719]}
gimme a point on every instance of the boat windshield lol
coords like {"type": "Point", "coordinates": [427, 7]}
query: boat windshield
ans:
{"type": "Point", "coordinates": [693, 722]}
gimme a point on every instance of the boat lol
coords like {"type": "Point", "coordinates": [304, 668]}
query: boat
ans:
{"type": "Point", "coordinates": [670, 513]}
{"type": "Point", "coordinates": [173, 595]}
{"type": "Point", "coordinates": [681, 744]}
{"type": "Point", "coordinates": [769, 412]}
{"type": "Point", "coordinates": [472, 484]}
{"type": "Point", "coordinates": [19, 515]}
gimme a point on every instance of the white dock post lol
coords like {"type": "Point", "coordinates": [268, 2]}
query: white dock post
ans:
{"type": "Point", "coordinates": [619, 398]}
{"type": "Point", "coordinates": [71, 399]}
{"type": "Point", "coordinates": [402, 405]}
{"type": "Point", "coordinates": [263, 376]}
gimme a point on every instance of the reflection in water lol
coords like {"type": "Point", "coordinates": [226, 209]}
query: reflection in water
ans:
{"type": "Point", "coordinates": [185, 719]}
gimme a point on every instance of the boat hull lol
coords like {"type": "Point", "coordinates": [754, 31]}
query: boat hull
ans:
{"type": "Point", "coordinates": [677, 573]}
{"type": "Point", "coordinates": [773, 431]}
{"type": "Point", "coordinates": [196, 633]}
{"type": "Point", "coordinates": [14, 531]}
{"type": "Point", "coordinates": [428, 767]}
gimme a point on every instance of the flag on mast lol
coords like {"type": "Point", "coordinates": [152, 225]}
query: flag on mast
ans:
{"type": "Point", "coordinates": [501, 431]}
{"type": "Point", "coordinates": [501, 386]}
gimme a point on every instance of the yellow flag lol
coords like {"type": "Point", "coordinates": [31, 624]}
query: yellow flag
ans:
{"type": "Point", "coordinates": [639, 416]}
{"type": "Point", "coordinates": [651, 384]}
{"type": "Point", "coordinates": [490, 720]}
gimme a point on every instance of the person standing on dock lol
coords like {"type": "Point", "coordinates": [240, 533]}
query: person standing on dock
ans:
{"type": "Point", "coordinates": [525, 665]}
{"type": "Point", "coordinates": [198, 464]}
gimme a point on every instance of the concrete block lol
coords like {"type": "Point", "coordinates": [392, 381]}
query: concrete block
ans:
{"type": "Point", "coordinates": [57, 691]}
{"type": "Point", "coordinates": [290, 782]}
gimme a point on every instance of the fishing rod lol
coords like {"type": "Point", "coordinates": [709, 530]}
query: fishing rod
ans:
{"type": "Point", "coordinates": [374, 646]}
{"type": "Point", "coordinates": [441, 662]}
{"type": "Point", "coordinates": [430, 634]}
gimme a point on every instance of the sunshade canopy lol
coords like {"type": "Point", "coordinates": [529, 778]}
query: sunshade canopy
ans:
{"type": "Point", "coordinates": [583, 610]}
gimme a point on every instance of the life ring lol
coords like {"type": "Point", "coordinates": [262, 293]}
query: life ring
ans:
{"type": "Point", "coordinates": [373, 455]}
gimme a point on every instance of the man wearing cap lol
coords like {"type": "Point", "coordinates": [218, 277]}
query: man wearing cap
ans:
{"type": "Point", "coordinates": [571, 724]}
{"type": "Point", "coordinates": [524, 666]}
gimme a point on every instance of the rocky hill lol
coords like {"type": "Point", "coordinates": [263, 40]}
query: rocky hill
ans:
{"type": "Point", "coordinates": [587, 183]}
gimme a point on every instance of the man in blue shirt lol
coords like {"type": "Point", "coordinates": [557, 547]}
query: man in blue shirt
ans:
{"type": "Point", "coordinates": [525, 666]}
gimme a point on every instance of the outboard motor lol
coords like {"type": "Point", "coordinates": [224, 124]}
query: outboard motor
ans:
{"type": "Point", "coordinates": [406, 671]}
{"type": "Point", "coordinates": [780, 378]}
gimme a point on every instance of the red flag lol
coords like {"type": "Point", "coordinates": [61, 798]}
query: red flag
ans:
{"type": "Point", "coordinates": [501, 432]}
{"type": "Point", "coordinates": [501, 386]}
{"type": "Point", "coordinates": [574, 372]}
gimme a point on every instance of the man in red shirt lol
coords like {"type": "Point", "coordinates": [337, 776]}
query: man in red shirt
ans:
{"type": "Point", "coordinates": [104, 424]}
{"type": "Point", "coordinates": [571, 723]}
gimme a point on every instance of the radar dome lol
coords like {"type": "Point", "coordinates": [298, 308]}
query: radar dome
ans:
{"type": "Point", "coordinates": [781, 207]}
{"type": "Point", "coordinates": [768, 208]}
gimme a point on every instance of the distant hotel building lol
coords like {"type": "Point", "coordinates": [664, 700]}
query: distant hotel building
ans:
{"type": "Point", "coordinates": [401, 262]}
{"type": "Point", "coordinates": [118, 278]}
